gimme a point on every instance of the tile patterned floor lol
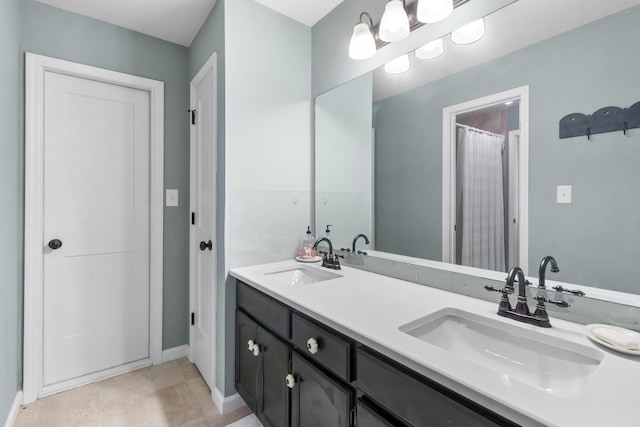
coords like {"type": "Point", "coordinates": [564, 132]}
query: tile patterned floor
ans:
{"type": "Point", "coordinates": [171, 394]}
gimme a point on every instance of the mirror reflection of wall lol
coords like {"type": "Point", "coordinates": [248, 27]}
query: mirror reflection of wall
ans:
{"type": "Point", "coordinates": [344, 148]}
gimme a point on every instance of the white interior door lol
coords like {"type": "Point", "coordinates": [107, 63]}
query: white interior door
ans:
{"type": "Point", "coordinates": [96, 204]}
{"type": "Point", "coordinates": [203, 228]}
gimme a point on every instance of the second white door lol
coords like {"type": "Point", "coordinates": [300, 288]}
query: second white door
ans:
{"type": "Point", "coordinates": [203, 220]}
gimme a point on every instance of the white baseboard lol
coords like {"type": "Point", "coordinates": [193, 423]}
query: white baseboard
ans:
{"type": "Point", "coordinates": [175, 353]}
{"type": "Point", "coordinates": [15, 409]}
{"type": "Point", "coordinates": [227, 404]}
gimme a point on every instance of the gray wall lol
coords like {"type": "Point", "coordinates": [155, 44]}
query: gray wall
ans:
{"type": "Point", "coordinates": [53, 32]}
{"type": "Point", "coordinates": [580, 71]}
{"type": "Point", "coordinates": [10, 210]}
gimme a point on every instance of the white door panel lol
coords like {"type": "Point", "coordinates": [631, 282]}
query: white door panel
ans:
{"type": "Point", "coordinates": [96, 201]}
{"type": "Point", "coordinates": [203, 204]}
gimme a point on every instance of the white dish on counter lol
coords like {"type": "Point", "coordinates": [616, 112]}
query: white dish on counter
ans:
{"type": "Point", "coordinates": [314, 259]}
{"type": "Point", "coordinates": [628, 333]}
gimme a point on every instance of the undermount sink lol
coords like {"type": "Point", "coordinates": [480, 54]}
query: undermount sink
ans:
{"type": "Point", "coordinates": [548, 363]}
{"type": "Point", "coordinates": [302, 276]}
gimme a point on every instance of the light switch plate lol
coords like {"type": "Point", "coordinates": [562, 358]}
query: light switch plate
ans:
{"type": "Point", "coordinates": [171, 198]}
{"type": "Point", "coordinates": [564, 194]}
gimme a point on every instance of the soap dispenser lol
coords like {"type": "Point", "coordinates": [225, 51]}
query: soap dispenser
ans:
{"type": "Point", "coordinates": [307, 245]}
{"type": "Point", "coordinates": [327, 232]}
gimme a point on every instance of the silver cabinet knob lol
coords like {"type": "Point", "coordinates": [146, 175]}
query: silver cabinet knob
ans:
{"type": "Point", "coordinates": [250, 345]}
{"type": "Point", "coordinates": [256, 350]}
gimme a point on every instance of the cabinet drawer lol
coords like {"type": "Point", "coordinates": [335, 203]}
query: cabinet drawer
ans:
{"type": "Point", "coordinates": [416, 399]}
{"type": "Point", "coordinates": [333, 351]}
{"type": "Point", "coordinates": [265, 309]}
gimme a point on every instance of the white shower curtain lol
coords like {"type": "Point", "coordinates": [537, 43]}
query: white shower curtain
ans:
{"type": "Point", "coordinates": [480, 199]}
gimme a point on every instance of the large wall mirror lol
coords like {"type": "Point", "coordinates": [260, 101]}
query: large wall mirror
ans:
{"type": "Point", "coordinates": [379, 145]}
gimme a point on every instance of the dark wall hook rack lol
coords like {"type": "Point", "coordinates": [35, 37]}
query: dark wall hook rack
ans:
{"type": "Point", "coordinates": [608, 119]}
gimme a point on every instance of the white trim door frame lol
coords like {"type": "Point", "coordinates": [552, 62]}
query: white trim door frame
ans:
{"type": "Point", "coordinates": [35, 68]}
{"type": "Point", "coordinates": [449, 169]}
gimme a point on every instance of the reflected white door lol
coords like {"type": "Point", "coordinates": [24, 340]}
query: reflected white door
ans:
{"type": "Point", "coordinates": [203, 228]}
{"type": "Point", "coordinates": [96, 204]}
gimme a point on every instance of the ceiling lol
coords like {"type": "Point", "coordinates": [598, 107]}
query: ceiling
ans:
{"type": "Point", "coordinates": [180, 21]}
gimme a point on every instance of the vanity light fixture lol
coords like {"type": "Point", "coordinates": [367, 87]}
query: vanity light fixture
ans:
{"type": "Point", "coordinates": [394, 25]}
{"type": "Point", "coordinates": [430, 50]}
{"type": "Point", "coordinates": [470, 33]}
{"type": "Point", "coordinates": [362, 45]}
{"type": "Point", "coordinates": [398, 65]}
{"type": "Point", "coordinates": [430, 11]}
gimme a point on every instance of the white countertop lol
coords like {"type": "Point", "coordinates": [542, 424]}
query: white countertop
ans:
{"type": "Point", "coordinates": [370, 308]}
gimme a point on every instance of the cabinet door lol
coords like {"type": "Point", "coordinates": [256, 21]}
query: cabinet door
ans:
{"type": "Point", "coordinates": [246, 361]}
{"type": "Point", "coordinates": [369, 417]}
{"type": "Point", "coordinates": [273, 400]}
{"type": "Point", "coordinates": [317, 400]}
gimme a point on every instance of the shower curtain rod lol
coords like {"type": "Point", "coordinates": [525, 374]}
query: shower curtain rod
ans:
{"type": "Point", "coordinates": [479, 130]}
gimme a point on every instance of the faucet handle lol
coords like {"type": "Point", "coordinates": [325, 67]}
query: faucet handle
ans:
{"type": "Point", "coordinates": [361, 252]}
{"type": "Point", "coordinates": [505, 290]}
{"type": "Point", "coordinates": [347, 250]}
{"type": "Point", "coordinates": [559, 303]}
{"type": "Point", "coordinates": [575, 292]}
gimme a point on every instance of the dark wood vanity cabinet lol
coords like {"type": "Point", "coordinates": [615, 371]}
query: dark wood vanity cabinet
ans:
{"type": "Point", "coordinates": [318, 397]}
{"type": "Point", "coordinates": [327, 370]}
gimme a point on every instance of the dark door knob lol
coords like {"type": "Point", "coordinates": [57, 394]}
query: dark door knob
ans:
{"type": "Point", "coordinates": [208, 245]}
{"type": "Point", "coordinates": [55, 244]}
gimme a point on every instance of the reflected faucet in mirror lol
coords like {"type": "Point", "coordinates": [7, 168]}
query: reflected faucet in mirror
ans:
{"type": "Point", "coordinates": [554, 269]}
{"type": "Point", "coordinates": [543, 268]}
{"type": "Point", "coordinates": [521, 313]}
{"type": "Point", "coordinates": [355, 239]}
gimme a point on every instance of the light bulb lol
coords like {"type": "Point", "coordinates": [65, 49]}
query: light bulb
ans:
{"type": "Point", "coordinates": [470, 33]}
{"type": "Point", "coordinates": [430, 11]}
{"type": "Point", "coordinates": [398, 65]}
{"type": "Point", "coordinates": [430, 50]}
{"type": "Point", "coordinates": [362, 45]}
{"type": "Point", "coordinates": [394, 25]}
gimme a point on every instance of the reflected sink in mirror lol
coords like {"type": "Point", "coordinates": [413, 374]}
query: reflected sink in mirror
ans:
{"type": "Point", "coordinates": [302, 276]}
{"type": "Point", "coordinates": [548, 363]}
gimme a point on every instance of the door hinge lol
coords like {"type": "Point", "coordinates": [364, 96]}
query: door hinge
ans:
{"type": "Point", "coordinates": [193, 319]}
{"type": "Point", "coordinates": [455, 227]}
{"type": "Point", "coordinates": [193, 218]}
{"type": "Point", "coordinates": [353, 416]}
{"type": "Point", "coordinates": [193, 116]}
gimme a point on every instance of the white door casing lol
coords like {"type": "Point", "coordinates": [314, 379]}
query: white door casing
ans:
{"type": "Point", "coordinates": [37, 237]}
{"type": "Point", "coordinates": [203, 183]}
{"type": "Point", "coordinates": [449, 170]}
